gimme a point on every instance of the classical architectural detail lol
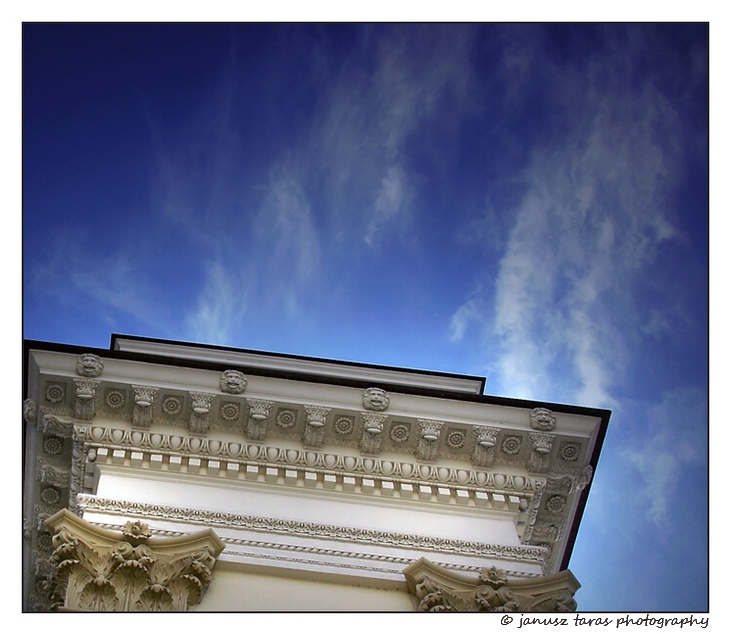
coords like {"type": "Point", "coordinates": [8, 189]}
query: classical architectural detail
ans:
{"type": "Point", "coordinates": [86, 390]}
{"type": "Point", "coordinates": [569, 451]}
{"type": "Point", "coordinates": [319, 477]}
{"type": "Point", "coordinates": [584, 478]}
{"type": "Point", "coordinates": [142, 412]}
{"type": "Point", "coordinates": [55, 392]}
{"type": "Point", "coordinates": [314, 426]}
{"type": "Point", "coordinates": [286, 418]}
{"type": "Point", "coordinates": [258, 414]}
{"type": "Point", "coordinates": [343, 425]}
{"type": "Point", "coordinates": [233, 382]}
{"type": "Point", "coordinates": [54, 475]}
{"type": "Point", "coordinates": [30, 411]}
{"type": "Point", "coordinates": [373, 428]}
{"type": "Point", "coordinates": [441, 590]}
{"type": "Point", "coordinates": [519, 553]}
{"type": "Point", "coordinates": [99, 570]}
{"type": "Point", "coordinates": [484, 446]}
{"type": "Point", "coordinates": [429, 435]}
{"type": "Point", "coordinates": [115, 399]}
{"type": "Point", "coordinates": [375, 399]}
{"type": "Point", "coordinates": [541, 446]}
{"type": "Point", "coordinates": [200, 412]}
{"type": "Point", "coordinates": [511, 445]}
{"type": "Point", "coordinates": [542, 419]}
{"type": "Point", "coordinates": [89, 365]}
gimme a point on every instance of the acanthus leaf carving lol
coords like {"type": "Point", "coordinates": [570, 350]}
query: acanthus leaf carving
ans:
{"type": "Point", "coordinates": [440, 590]}
{"type": "Point", "coordinates": [484, 446]}
{"type": "Point", "coordinates": [200, 412]}
{"type": "Point", "coordinates": [429, 436]}
{"type": "Point", "coordinates": [142, 412]}
{"type": "Point", "coordinates": [541, 447]}
{"type": "Point", "coordinates": [314, 426]}
{"type": "Point", "coordinates": [373, 428]}
{"type": "Point", "coordinates": [98, 570]}
{"type": "Point", "coordinates": [259, 410]}
{"type": "Point", "coordinates": [86, 391]}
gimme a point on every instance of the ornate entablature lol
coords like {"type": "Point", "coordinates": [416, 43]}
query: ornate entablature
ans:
{"type": "Point", "coordinates": [263, 452]}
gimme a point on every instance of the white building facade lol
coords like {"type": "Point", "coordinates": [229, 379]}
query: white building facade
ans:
{"type": "Point", "coordinates": [170, 476]}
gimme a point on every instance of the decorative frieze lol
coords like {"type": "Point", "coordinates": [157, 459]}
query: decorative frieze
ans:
{"type": "Point", "coordinates": [86, 390]}
{"type": "Point", "coordinates": [278, 526]}
{"type": "Point", "coordinates": [439, 589]}
{"type": "Point", "coordinates": [99, 570]}
{"type": "Point", "coordinates": [373, 428]}
{"type": "Point", "coordinates": [258, 413]}
{"type": "Point", "coordinates": [144, 399]}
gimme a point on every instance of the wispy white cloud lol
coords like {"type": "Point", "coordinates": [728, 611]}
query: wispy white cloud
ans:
{"type": "Point", "coordinates": [220, 306]}
{"type": "Point", "coordinates": [589, 226]}
{"type": "Point", "coordinates": [674, 441]}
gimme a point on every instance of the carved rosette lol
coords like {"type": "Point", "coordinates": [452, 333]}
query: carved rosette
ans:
{"type": "Point", "coordinates": [314, 426]}
{"type": "Point", "coordinates": [541, 446]}
{"type": "Point", "coordinates": [542, 419]}
{"type": "Point", "coordinates": [89, 365]}
{"type": "Point", "coordinates": [233, 382]}
{"type": "Point", "coordinates": [142, 412]}
{"type": "Point", "coordinates": [258, 413]}
{"type": "Point", "coordinates": [86, 391]}
{"type": "Point", "coordinates": [93, 569]}
{"type": "Point", "coordinates": [373, 428]}
{"type": "Point", "coordinates": [429, 436]}
{"type": "Point", "coordinates": [485, 445]}
{"type": "Point", "coordinates": [440, 590]}
{"type": "Point", "coordinates": [375, 399]}
{"type": "Point", "coordinates": [200, 412]}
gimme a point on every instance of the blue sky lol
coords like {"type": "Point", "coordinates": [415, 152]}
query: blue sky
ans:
{"type": "Point", "coordinates": [524, 202]}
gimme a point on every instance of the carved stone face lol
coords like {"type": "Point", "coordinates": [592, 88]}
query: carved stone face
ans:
{"type": "Point", "coordinates": [89, 365]}
{"type": "Point", "coordinates": [233, 382]}
{"type": "Point", "coordinates": [542, 419]}
{"type": "Point", "coordinates": [375, 399]}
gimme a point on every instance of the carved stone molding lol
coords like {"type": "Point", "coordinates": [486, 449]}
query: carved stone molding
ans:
{"type": "Point", "coordinates": [297, 528]}
{"type": "Point", "coordinates": [98, 570]}
{"type": "Point", "coordinates": [258, 413]}
{"type": "Point", "coordinates": [373, 428]}
{"type": "Point", "coordinates": [142, 412]}
{"type": "Point", "coordinates": [441, 590]}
